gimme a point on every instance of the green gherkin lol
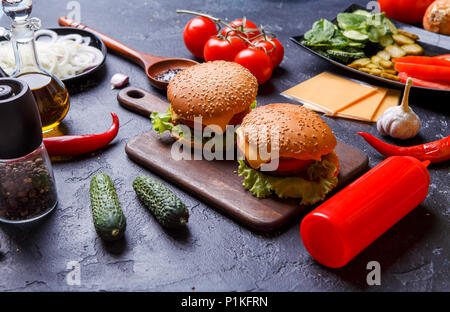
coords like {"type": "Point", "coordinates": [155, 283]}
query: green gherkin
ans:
{"type": "Point", "coordinates": [167, 208]}
{"type": "Point", "coordinates": [109, 220]}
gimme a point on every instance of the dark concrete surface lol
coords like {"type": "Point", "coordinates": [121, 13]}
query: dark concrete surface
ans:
{"type": "Point", "coordinates": [215, 253]}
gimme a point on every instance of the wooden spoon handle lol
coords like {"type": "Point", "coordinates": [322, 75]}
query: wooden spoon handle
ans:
{"type": "Point", "coordinates": [111, 43]}
{"type": "Point", "coordinates": [140, 101]}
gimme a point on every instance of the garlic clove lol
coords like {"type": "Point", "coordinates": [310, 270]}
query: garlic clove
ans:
{"type": "Point", "coordinates": [119, 81]}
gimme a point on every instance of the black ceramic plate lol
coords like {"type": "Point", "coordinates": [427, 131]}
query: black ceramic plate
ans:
{"type": "Point", "coordinates": [94, 41]}
{"type": "Point", "coordinates": [433, 44]}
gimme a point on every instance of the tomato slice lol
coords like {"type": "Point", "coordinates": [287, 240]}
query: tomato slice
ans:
{"type": "Point", "coordinates": [292, 164]}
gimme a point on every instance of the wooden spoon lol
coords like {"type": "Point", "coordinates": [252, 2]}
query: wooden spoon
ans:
{"type": "Point", "coordinates": [153, 65]}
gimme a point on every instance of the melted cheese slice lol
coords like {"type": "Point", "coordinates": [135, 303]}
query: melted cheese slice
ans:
{"type": "Point", "coordinates": [329, 92]}
{"type": "Point", "coordinates": [365, 108]}
{"type": "Point", "coordinates": [250, 151]}
{"type": "Point", "coordinates": [392, 98]}
{"type": "Point", "coordinates": [218, 124]}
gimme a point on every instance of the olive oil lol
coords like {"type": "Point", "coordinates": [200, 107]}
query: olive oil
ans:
{"type": "Point", "coordinates": [49, 92]}
{"type": "Point", "coordinates": [51, 97]}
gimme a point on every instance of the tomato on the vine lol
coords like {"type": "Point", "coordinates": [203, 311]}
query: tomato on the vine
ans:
{"type": "Point", "coordinates": [237, 25]}
{"type": "Point", "coordinates": [217, 48]}
{"type": "Point", "coordinates": [273, 47]}
{"type": "Point", "coordinates": [257, 62]}
{"type": "Point", "coordinates": [197, 31]}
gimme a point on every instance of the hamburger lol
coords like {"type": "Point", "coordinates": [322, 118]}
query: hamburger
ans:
{"type": "Point", "coordinates": [219, 92]}
{"type": "Point", "coordinates": [298, 142]}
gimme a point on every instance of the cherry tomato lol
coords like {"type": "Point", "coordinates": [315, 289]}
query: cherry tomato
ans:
{"type": "Point", "coordinates": [197, 31]}
{"type": "Point", "coordinates": [406, 11]}
{"type": "Point", "coordinates": [274, 48]}
{"type": "Point", "coordinates": [237, 24]}
{"type": "Point", "coordinates": [257, 62]}
{"type": "Point", "coordinates": [222, 49]}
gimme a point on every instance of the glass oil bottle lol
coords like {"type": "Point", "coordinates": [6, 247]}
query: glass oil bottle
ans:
{"type": "Point", "coordinates": [49, 92]}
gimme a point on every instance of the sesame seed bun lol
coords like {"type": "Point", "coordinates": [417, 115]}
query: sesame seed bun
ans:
{"type": "Point", "coordinates": [302, 133]}
{"type": "Point", "coordinates": [216, 91]}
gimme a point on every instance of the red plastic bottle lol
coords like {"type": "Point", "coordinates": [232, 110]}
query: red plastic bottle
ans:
{"type": "Point", "coordinates": [339, 229]}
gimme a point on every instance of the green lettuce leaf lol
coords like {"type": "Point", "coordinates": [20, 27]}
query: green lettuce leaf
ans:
{"type": "Point", "coordinates": [253, 105]}
{"type": "Point", "coordinates": [321, 180]}
{"type": "Point", "coordinates": [162, 121]}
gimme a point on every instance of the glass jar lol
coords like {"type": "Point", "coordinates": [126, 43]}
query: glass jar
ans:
{"type": "Point", "coordinates": [50, 93]}
{"type": "Point", "coordinates": [27, 187]}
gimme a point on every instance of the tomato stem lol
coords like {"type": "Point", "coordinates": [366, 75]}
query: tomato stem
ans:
{"type": "Point", "coordinates": [236, 30]}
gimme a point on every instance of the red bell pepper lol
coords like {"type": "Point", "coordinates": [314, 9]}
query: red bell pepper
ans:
{"type": "Point", "coordinates": [445, 57]}
{"type": "Point", "coordinates": [70, 145]}
{"type": "Point", "coordinates": [424, 83]}
{"type": "Point", "coordinates": [426, 72]}
{"type": "Point", "coordinates": [422, 60]}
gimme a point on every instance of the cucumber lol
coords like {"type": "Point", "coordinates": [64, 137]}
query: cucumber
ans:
{"type": "Point", "coordinates": [355, 35]}
{"type": "Point", "coordinates": [344, 56]}
{"type": "Point", "coordinates": [386, 40]}
{"type": "Point", "coordinates": [108, 217]}
{"type": "Point", "coordinates": [167, 208]}
{"type": "Point", "coordinates": [391, 26]}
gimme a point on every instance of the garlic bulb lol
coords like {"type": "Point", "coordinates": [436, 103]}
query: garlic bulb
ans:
{"type": "Point", "coordinates": [400, 121]}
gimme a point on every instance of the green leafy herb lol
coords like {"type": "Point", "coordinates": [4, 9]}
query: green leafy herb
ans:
{"type": "Point", "coordinates": [347, 41]}
{"type": "Point", "coordinates": [322, 31]}
{"type": "Point", "coordinates": [349, 21]}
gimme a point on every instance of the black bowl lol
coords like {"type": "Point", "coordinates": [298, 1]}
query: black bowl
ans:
{"type": "Point", "coordinates": [95, 42]}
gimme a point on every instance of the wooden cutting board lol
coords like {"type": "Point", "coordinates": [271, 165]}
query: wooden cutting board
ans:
{"type": "Point", "coordinates": [217, 181]}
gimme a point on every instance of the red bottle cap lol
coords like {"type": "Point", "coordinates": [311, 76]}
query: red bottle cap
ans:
{"type": "Point", "coordinates": [347, 223]}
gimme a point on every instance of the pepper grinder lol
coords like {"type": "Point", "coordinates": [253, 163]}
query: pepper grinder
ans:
{"type": "Point", "coordinates": [27, 185]}
{"type": "Point", "coordinates": [50, 93]}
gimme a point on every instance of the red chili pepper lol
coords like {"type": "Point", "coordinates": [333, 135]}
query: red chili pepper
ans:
{"type": "Point", "coordinates": [424, 83]}
{"type": "Point", "coordinates": [80, 144]}
{"type": "Point", "coordinates": [437, 151]}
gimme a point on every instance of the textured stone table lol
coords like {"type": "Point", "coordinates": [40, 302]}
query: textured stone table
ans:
{"type": "Point", "coordinates": [215, 253]}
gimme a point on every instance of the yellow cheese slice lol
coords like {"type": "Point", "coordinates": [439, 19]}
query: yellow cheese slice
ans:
{"type": "Point", "coordinates": [392, 98]}
{"type": "Point", "coordinates": [250, 151]}
{"type": "Point", "coordinates": [219, 123]}
{"type": "Point", "coordinates": [365, 108]}
{"type": "Point", "coordinates": [329, 92]}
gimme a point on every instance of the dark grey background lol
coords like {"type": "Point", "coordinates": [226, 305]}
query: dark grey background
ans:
{"type": "Point", "coordinates": [215, 253]}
